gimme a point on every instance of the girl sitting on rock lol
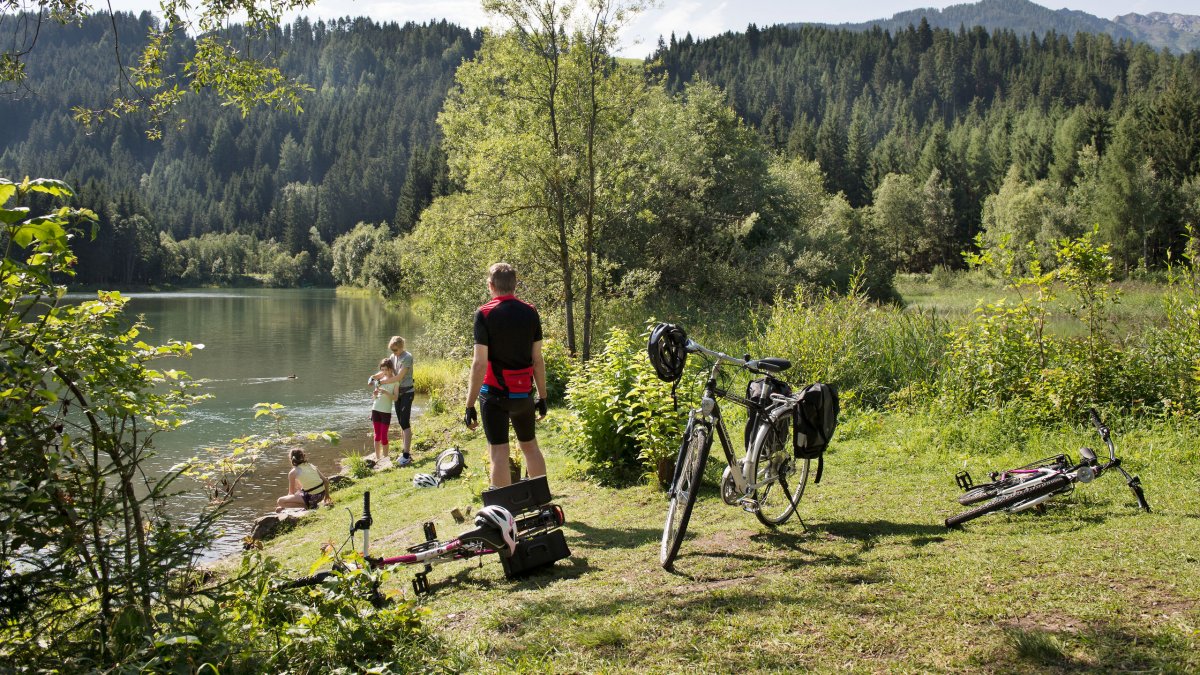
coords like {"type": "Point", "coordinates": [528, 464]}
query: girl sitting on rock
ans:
{"type": "Point", "coordinates": [307, 486]}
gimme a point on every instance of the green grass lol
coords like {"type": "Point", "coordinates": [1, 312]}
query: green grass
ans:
{"type": "Point", "coordinates": [956, 296]}
{"type": "Point", "coordinates": [434, 376]}
{"type": "Point", "coordinates": [870, 582]}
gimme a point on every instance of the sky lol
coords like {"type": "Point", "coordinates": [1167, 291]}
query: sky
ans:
{"type": "Point", "coordinates": [702, 18]}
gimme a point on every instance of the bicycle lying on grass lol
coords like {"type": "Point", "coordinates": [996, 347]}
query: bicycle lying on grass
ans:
{"type": "Point", "coordinates": [1030, 486]}
{"type": "Point", "coordinates": [526, 542]}
{"type": "Point", "coordinates": [769, 480]}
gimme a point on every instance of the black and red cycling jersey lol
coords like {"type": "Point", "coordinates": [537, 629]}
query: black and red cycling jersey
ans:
{"type": "Point", "coordinates": [508, 327]}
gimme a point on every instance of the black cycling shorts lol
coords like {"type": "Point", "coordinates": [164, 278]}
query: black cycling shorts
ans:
{"type": "Point", "coordinates": [404, 408]}
{"type": "Point", "coordinates": [495, 412]}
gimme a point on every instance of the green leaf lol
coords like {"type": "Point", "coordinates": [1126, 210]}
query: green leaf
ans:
{"type": "Point", "coordinates": [51, 186]}
{"type": "Point", "coordinates": [7, 190]}
{"type": "Point", "coordinates": [40, 229]}
{"type": "Point", "coordinates": [11, 216]}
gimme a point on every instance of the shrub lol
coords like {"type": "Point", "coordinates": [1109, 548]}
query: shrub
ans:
{"type": "Point", "coordinates": [1004, 356]}
{"type": "Point", "coordinates": [444, 381]}
{"type": "Point", "coordinates": [339, 625]}
{"type": "Point", "coordinates": [869, 351]}
{"type": "Point", "coordinates": [558, 371]}
{"type": "Point", "coordinates": [627, 423]}
{"type": "Point", "coordinates": [88, 550]}
{"type": "Point", "coordinates": [356, 465]}
{"type": "Point", "coordinates": [1171, 366]}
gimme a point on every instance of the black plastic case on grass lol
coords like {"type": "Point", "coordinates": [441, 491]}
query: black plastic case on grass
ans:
{"type": "Point", "coordinates": [535, 553]}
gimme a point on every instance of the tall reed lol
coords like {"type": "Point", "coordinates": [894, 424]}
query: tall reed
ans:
{"type": "Point", "coordinates": [870, 351]}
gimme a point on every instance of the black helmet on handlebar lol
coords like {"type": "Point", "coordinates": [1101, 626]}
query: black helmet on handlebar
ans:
{"type": "Point", "coordinates": [668, 351]}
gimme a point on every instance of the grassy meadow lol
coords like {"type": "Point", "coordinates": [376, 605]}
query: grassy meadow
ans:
{"type": "Point", "coordinates": [954, 296]}
{"type": "Point", "coordinates": [870, 581]}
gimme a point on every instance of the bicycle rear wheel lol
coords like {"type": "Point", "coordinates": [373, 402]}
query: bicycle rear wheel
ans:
{"type": "Point", "coordinates": [1050, 486]}
{"type": "Point", "coordinates": [692, 457]}
{"type": "Point", "coordinates": [781, 475]}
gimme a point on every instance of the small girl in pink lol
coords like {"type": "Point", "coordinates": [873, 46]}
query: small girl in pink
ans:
{"type": "Point", "coordinates": [384, 396]}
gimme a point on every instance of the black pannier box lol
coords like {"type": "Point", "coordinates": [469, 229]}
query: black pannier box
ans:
{"type": "Point", "coordinates": [535, 553]}
{"type": "Point", "coordinates": [524, 495]}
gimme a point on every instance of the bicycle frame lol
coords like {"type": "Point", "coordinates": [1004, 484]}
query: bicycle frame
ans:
{"type": "Point", "coordinates": [1029, 486]}
{"type": "Point", "coordinates": [709, 412]}
{"type": "Point", "coordinates": [1035, 477]}
{"type": "Point", "coordinates": [469, 544]}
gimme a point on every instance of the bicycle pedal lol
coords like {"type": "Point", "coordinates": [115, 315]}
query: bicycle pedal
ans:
{"type": "Point", "coordinates": [750, 505]}
{"type": "Point", "coordinates": [420, 584]}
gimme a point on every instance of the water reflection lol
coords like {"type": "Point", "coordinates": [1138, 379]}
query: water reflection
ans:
{"type": "Point", "coordinates": [307, 349]}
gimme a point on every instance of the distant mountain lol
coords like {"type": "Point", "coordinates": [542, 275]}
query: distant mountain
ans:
{"type": "Point", "coordinates": [1178, 32]}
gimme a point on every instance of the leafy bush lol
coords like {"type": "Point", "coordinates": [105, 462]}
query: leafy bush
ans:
{"type": "Point", "coordinates": [558, 370]}
{"type": "Point", "coordinates": [627, 423]}
{"type": "Point", "coordinates": [1004, 356]}
{"type": "Point", "coordinates": [869, 351]}
{"type": "Point", "coordinates": [248, 625]}
{"type": "Point", "coordinates": [1171, 366]}
{"type": "Point", "coordinates": [87, 549]}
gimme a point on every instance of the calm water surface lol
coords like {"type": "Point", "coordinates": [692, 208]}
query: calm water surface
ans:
{"type": "Point", "coordinates": [255, 340]}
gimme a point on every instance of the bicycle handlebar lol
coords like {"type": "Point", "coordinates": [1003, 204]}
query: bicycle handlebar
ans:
{"type": "Point", "coordinates": [695, 347]}
{"type": "Point", "coordinates": [1134, 482]}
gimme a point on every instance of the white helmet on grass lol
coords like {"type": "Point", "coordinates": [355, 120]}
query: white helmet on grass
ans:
{"type": "Point", "coordinates": [425, 480]}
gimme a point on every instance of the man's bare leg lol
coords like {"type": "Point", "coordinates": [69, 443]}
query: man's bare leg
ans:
{"type": "Point", "coordinates": [535, 463]}
{"type": "Point", "coordinates": [500, 474]}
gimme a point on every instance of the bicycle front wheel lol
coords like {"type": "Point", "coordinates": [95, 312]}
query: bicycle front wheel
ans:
{"type": "Point", "coordinates": [1050, 486]}
{"type": "Point", "coordinates": [683, 494]}
{"type": "Point", "coordinates": [780, 476]}
{"type": "Point", "coordinates": [982, 492]}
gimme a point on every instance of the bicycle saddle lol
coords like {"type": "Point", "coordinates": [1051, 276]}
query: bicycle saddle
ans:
{"type": "Point", "coordinates": [489, 537]}
{"type": "Point", "coordinates": [770, 365]}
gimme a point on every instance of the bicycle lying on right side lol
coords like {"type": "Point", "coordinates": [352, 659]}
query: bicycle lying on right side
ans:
{"type": "Point", "coordinates": [517, 523]}
{"type": "Point", "coordinates": [1030, 486]}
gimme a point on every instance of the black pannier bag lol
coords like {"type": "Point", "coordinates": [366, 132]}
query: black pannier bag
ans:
{"type": "Point", "coordinates": [759, 391]}
{"type": "Point", "coordinates": [816, 418]}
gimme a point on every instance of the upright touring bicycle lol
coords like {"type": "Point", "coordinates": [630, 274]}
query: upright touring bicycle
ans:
{"type": "Point", "coordinates": [770, 478]}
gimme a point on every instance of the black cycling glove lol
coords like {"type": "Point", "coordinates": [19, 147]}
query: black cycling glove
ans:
{"type": "Point", "coordinates": [470, 416]}
{"type": "Point", "coordinates": [540, 406]}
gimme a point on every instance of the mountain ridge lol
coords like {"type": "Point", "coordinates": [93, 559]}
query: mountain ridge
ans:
{"type": "Point", "coordinates": [1175, 31]}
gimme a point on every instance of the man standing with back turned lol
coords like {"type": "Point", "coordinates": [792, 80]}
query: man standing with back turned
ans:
{"type": "Point", "coordinates": [506, 365]}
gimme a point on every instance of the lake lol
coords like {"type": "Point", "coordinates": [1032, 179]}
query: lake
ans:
{"type": "Point", "coordinates": [255, 341]}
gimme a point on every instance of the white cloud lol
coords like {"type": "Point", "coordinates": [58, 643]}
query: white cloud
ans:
{"type": "Point", "coordinates": [463, 12]}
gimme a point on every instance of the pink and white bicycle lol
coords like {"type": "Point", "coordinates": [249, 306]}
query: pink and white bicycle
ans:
{"type": "Point", "coordinates": [1030, 486]}
{"type": "Point", "coordinates": [527, 541]}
